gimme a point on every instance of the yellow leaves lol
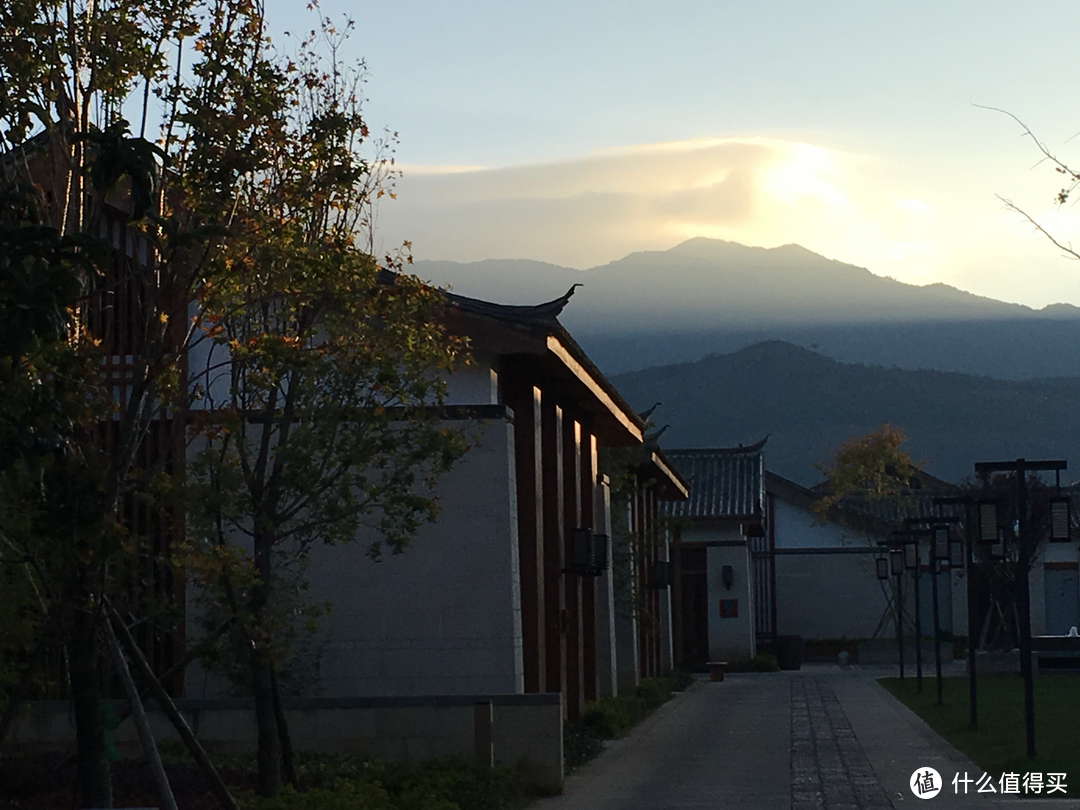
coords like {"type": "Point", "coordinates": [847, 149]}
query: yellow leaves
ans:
{"type": "Point", "coordinates": [163, 317]}
{"type": "Point", "coordinates": [872, 466]}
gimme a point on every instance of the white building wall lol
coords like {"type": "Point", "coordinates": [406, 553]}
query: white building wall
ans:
{"type": "Point", "coordinates": [474, 384]}
{"type": "Point", "coordinates": [444, 617]}
{"type": "Point", "coordinates": [730, 639]}
{"type": "Point", "coordinates": [826, 580]}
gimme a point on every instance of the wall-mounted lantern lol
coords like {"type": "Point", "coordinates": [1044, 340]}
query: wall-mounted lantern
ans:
{"type": "Point", "coordinates": [727, 576]}
{"type": "Point", "coordinates": [882, 568]}
{"type": "Point", "coordinates": [660, 575]}
{"type": "Point", "coordinates": [590, 557]}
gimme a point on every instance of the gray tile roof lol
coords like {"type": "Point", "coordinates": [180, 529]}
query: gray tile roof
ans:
{"type": "Point", "coordinates": [724, 482]}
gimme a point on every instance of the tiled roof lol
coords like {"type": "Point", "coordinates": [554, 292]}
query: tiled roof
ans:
{"type": "Point", "coordinates": [543, 316]}
{"type": "Point", "coordinates": [724, 482]}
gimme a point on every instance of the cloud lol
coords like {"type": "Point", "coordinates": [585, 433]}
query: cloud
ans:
{"type": "Point", "coordinates": [586, 211]}
{"type": "Point", "coordinates": [902, 218]}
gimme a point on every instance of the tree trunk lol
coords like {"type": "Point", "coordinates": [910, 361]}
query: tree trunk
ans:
{"type": "Point", "coordinates": [262, 671]}
{"type": "Point", "coordinates": [287, 759]}
{"type": "Point", "coordinates": [93, 764]}
{"type": "Point", "coordinates": [269, 756]}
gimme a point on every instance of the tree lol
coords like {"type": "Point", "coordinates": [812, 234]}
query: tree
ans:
{"type": "Point", "coordinates": [1072, 181]}
{"type": "Point", "coordinates": [872, 467]}
{"type": "Point", "coordinates": [243, 211]}
{"type": "Point", "coordinates": [315, 389]}
{"type": "Point", "coordinates": [68, 68]}
{"type": "Point", "coordinates": [874, 472]}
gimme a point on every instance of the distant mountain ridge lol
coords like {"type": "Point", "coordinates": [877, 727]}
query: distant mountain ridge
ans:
{"type": "Point", "coordinates": [808, 404]}
{"type": "Point", "coordinates": [706, 295]}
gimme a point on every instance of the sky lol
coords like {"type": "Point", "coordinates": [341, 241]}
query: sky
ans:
{"type": "Point", "coordinates": [579, 132]}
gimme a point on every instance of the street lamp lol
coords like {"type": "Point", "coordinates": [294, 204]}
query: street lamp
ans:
{"type": "Point", "coordinates": [939, 550]}
{"type": "Point", "coordinates": [896, 568]}
{"type": "Point", "coordinates": [973, 512]}
{"type": "Point", "coordinates": [1020, 468]}
{"type": "Point", "coordinates": [913, 563]}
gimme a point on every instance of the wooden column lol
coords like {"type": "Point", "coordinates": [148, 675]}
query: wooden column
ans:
{"type": "Point", "coordinates": [572, 470]}
{"type": "Point", "coordinates": [525, 399]}
{"type": "Point", "coordinates": [676, 598]}
{"type": "Point", "coordinates": [554, 605]}
{"type": "Point", "coordinates": [654, 555]}
{"type": "Point", "coordinates": [589, 462]}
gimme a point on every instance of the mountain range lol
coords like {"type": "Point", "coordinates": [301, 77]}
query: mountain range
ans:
{"type": "Point", "coordinates": [807, 404]}
{"type": "Point", "coordinates": [707, 296]}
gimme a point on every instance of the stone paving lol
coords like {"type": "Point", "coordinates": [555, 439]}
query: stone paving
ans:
{"type": "Point", "coordinates": [828, 765]}
{"type": "Point", "coordinates": [822, 738]}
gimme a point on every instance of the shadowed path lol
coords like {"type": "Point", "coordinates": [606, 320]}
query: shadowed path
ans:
{"type": "Point", "coordinates": [818, 738]}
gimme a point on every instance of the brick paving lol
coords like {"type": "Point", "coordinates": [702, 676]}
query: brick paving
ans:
{"type": "Point", "coordinates": [828, 766]}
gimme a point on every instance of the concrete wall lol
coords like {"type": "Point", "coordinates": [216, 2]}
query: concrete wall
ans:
{"type": "Point", "coordinates": [526, 730]}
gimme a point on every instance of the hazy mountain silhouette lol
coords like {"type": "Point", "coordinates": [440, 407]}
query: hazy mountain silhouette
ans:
{"type": "Point", "coordinates": [706, 295]}
{"type": "Point", "coordinates": [808, 404]}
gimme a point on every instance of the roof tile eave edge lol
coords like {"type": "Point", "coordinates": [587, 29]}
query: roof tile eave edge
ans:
{"type": "Point", "coordinates": [573, 357]}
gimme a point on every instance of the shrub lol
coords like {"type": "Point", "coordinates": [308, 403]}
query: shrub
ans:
{"type": "Point", "coordinates": [580, 744]}
{"type": "Point", "coordinates": [655, 691]}
{"type": "Point", "coordinates": [764, 662]}
{"type": "Point", "coordinates": [350, 795]}
{"type": "Point", "coordinates": [350, 783]}
{"type": "Point", "coordinates": [613, 716]}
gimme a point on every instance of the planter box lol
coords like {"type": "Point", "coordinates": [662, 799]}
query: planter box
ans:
{"type": "Point", "coordinates": [789, 652]}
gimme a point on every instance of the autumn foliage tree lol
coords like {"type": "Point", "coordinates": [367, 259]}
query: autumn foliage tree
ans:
{"type": "Point", "coordinates": [246, 181]}
{"type": "Point", "coordinates": [315, 385]}
{"type": "Point", "coordinates": [873, 467]}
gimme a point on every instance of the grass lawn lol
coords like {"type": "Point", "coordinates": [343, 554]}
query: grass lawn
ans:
{"type": "Point", "coordinates": [998, 745]}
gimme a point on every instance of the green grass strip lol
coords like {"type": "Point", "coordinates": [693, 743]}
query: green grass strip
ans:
{"type": "Point", "coordinates": [998, 745]}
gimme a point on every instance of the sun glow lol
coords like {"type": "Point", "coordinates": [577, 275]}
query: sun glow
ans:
{"type": "Point", "coordinates": [799, 176]}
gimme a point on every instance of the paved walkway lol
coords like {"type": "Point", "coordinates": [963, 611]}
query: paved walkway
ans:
{"type": "Point", "coordinates": [821, 738]}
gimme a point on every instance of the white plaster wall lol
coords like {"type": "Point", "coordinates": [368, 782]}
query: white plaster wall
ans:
{"type": "Point", "coordinates": [794, 528]}
{"type": "Point", "coordinates": [828, 596]}
{"type": "Point", "coordinates": [444, 617]}
{"type": "Point", "coordinates": [476, 383]}
{"type": "Point", "coordinates": [208, 368]}
{"type": "Point", "coordinates": [729, 639]}
{"type": "Point", "coordinates": [824, 595]}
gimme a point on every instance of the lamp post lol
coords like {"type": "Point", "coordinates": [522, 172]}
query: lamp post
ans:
{"type": "Point", "coordinates": [939, 544]}
{"type": "Point", "coordinates": [1020, 468]}
{"type": "Point", "coordinates": [913, 563]}
{"type": "Point", "coordinates": [936, 524]}
{"type": "Point", "coordinates": [896, 567]}
{"type": "Point", "coordinates": [964, 561]}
